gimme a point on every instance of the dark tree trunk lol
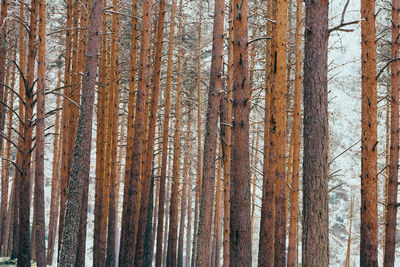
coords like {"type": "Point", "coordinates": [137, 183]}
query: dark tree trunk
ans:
{"type": "Point", "coordinates": [24, 246]}
{"type": "Point", "coordinates": [81, 158]}
{"type": "Point", "coordinates": [315, 162]}
{"type": "Point", "coordinates": [131, 197]}
{"type": "Point", "coordinates": [240, 251]}
{"type": "Point", "coordinates": [210, 141]}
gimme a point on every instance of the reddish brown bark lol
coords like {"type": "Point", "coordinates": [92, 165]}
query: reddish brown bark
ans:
{"type": "Point", "coordinates": [240, 250]}
{"type": "Point", "coordinates": [160, 224]}
{"type": "Point", "coordinates": [148, 163]}
{"type": "Point", "coordinates": [129, 215]}
{"type": "Point", "coordinates": [81, 158]}
{"type": "Point", "coordinates": [100, 205]}
{"type": "Point", "coordinates": [210, 141]}
{"type": "Point", "coordinates": [369, 180]}
{"type": "Point", "coordinates": [391, 212]}
{"type": "Point", "coordinates": [5, 176]}
{"type": "Point", "coordinates": [278, 133]}
{"type": "Point", "coordinates": [39, 226]}
{"type": "Point", "coordinates": [24, 250]}
{"type": "Point", "coordinates": [65, 124]}
{"type": "Point", "coordinates": [315, 160]}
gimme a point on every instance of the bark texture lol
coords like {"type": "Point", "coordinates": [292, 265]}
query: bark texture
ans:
{"type": "Point", "coordinates": [210, 141]}
{"type": "Point", "coordinates": [315, 161]}
{"type": "Point", "coordinates": [81, 158]}
{"type": "Point", "coordinates": [391, 208]}
{"type": "Point", "coordinates": [240, 250]}
{"type": "Point", "coordinates": [369, 179]}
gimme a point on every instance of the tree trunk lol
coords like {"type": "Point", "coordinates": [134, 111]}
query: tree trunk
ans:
{"type": "Point", "coordinates": [148, 163]}
{"type": "Point", "coordinates": [347, 263]}
{"type": "Point", "coordinates": [40, 127]}
{"type": "Point", "coordinates": [211, 137]}
{"type": "Point", "coordinates": [267, 224]}
{"type": "Point", "coordinates": [218, 210]}
{"type": "Point", "coordinates": [163, 176]}
{"type": "Point", "coordinates": [129, 215]}
{"type": "Point", "coordinates": [21, 111]}
{"type": "Point", "coordinates": [100, 214]}
{"type": "Point", "coordinates": [240, 250]}
{"type": "Point", "coordinates": [316, 134]}
{"type": "Point", "coordinates": [3, 68]}
{"type": "Point", "coordinates": [174, 205]}
{"type": "Point", "coordinates": [278, 133]}
{"type": "Point", "coordinates": [65, 125]}
{"type": "Point", "coordinates": [369, 180]}
{"type": "Point", "coordinates": [81, 158]}
{"type": "Point", "coordinates": [199, 152]}
{"type": "Point", "coordinates": [391, 214]}
{"type": "Point", "coordinates": [226, 145]}
{"type": "Point", "coordinates": [294, 203]}
{"type": "Point", "coordinates": [54, 182]}
{"type": "Point", "coordinates": [6, 165]}
{"type": "Point", "coordinates": [185, 188]}
{"type": "Point", "coordinates": [24, 246]}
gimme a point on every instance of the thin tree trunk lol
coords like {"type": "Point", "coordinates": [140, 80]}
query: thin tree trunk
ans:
{"type": "Point", "coordinates": [81, 158]}
{"type": "Point", "coordinates": [24, 246]}
{"type": "Point", "coordinates": [163, 176]}
{"type": "Point", "coordinates": [199, 152]}
{"type": "Point", "coordinates": [6, 170]}
{"type": "Point", "coordinates": [347, 263]}
{"type": "Point", "coordinates": [85, 10]}
{"type": "Point", "coordinates": [185, 192]}
{"type": "Point", "coordinates": [369, 180]}
{"type": "Point", "coordinates": [54, 182]}
{"type": "Point", "coordinates": [40, 127]}
{"type": "Point", "coordinates": [65, 125]}
{"type": "Point", "coordinates": [226, 145]}
{"type": "Point", "coordinates": [168, 201]}
{"type": "Point", "coordinates": [129, 215]}
{"type": "Point", "coordinates": [278, 134]}
{"type": "Point", "coordinates": [267, 225]}
{"type": "Point", "coordinates": [189, 208]}
{"type": "Point", "coordinates": [218, 210]}
{"type": "Point", "coordinates": [210, 141]}
{"type": "Point", "coordinates": [294, 203]}
{"type": "Point", "coordinates": [391, 214]}
{"type": "Point", "coordinates": [100, 204]}
{"type": "Point", "coordinates": [254, 183]}
{"type": "Point", "coordinates": [174, 205]}
{"type": "Point", "coordinates": [316, 147]}
{"type": "Point", "coordinates": [3, 68]}
{"type": "Point", "coordinates": [148, 163]}
{"type": "Point", "coordinates": [113, 131]}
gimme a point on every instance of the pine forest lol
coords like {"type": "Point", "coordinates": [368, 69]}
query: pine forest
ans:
{"type": "Point", "coordinates": [199, 133]}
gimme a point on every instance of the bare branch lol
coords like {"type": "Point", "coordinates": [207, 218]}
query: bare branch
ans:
{"type": "Point", "coordinates": [13, 111]}
{"type": "Point", "coordinates": [13, 163]}
{"type": "Point", "coordinates": [10, 141]}
{"type": "Point", "coordinates": [387, 64]}
{"type": "Point", "coordinates": [341, 25]}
